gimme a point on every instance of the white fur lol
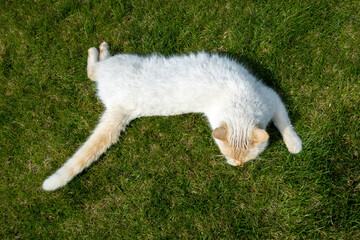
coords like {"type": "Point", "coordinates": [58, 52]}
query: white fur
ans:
{"type": "Point", "coordinates": [223, 90]}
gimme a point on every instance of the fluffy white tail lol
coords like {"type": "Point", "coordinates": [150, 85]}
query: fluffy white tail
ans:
{"type": "Point", "coordinates": [104, 135]}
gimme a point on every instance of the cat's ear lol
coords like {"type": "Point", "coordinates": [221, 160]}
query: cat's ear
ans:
{"type": "Point", "coordinates": [220, 133]}
{"type": "Point", "coordinates": [259, 135]}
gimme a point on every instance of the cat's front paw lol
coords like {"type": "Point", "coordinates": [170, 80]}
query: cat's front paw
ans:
{"type": "Point", "coordinates": [293, 144]}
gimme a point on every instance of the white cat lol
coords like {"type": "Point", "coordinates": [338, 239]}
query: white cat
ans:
{"type": "Point", "coordinates": [237, 105]}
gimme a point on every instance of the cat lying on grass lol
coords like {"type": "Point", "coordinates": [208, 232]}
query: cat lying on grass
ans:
{"type": "Point", "coordinates": [237, 105]}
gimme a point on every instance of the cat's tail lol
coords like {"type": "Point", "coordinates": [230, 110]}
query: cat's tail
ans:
{"type": "Point", "coordinates": [282, 122]}
{"type": "Point", "coordinates": [94, 57]}
{"type": "Point", "coordinates": [105, 134]}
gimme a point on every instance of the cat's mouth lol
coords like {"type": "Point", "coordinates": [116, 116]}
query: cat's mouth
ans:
{"type": "Point", "coordinates": [234, 162]}
{"type": "Point", "coordinates": [239, 162]}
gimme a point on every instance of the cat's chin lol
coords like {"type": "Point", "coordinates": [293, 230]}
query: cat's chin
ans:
{"type": "Point", "coordinates": [230, 161]}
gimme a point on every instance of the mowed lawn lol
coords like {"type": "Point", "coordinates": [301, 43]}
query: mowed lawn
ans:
{"type": "Point", "coordinates": [165, 178]}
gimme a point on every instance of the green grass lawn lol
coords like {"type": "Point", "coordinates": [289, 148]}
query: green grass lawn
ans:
{"type": "Point", "coordinates": [165, 177]}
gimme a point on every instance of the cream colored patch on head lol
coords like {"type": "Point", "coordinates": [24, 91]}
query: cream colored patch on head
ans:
{"type": "Point", "coordinates": [239, 152]}
{"type": "Point", "coordinates": [236, 153]}
{"type": "Point", "coordinates": [259, 135]}
{"type": "Point", "coordinates": [221, 133]}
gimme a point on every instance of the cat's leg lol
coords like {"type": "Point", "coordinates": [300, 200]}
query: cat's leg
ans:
{"type": "Point", "coordinates": [282, 122]}
{"type": "Point", "coordinates": [104, 51]}
{"type": "Point", "coordinates": [93, 58]}
{"type": "Point", "coordinates": [105, 134]}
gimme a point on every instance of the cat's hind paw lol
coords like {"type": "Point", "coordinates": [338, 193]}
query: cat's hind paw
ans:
{"type": "Point", "coordinates": [104, 46]}
{"type": "Point", "coordinates": [93, 54]}
{"type": "Point", "coordinates": [93, 58]}
{"type": "Point", "coordinates": [104, 51]}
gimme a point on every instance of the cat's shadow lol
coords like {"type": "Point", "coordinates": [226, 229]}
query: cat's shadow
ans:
{"type": "Point", "coordinates": [266, 76]}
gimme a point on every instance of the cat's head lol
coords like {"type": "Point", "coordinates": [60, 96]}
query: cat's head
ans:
{"type": "Point", "coordinates": [241, 147]}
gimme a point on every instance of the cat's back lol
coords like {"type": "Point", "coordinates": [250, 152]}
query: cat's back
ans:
{"type": "Point", "coordinates": [202, 66]}
{"type": "Point", "coordinates": [178, 80]}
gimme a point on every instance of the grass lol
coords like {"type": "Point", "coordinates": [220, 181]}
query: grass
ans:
{"type": "Point", "coordinates": [164, 178]}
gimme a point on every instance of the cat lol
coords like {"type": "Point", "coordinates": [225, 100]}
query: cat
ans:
{"type": "Point", "coordinates": [237, 105]}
